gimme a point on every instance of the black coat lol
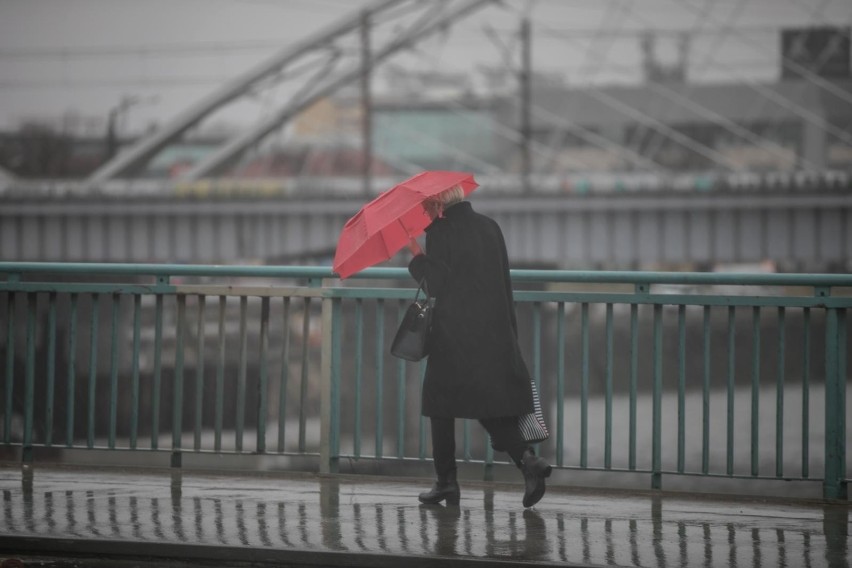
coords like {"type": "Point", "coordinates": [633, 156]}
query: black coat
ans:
{"type": "Point", "coordinates": [475, 367]}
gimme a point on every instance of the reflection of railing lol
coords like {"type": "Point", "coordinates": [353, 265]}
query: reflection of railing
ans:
{"type": "Point", "coordinates": [705, 375]}
{"type": "Point", "coordinates": [225, 518]}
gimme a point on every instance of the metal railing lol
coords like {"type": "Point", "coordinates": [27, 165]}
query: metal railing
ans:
{"type": "Point", "coordinates": [687, 374]}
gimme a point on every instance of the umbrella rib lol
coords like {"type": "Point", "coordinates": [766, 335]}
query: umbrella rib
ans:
{"type": "Point", "coordinates": [388, 250]}
{"type": "Point", "coordinates": [362, 232]}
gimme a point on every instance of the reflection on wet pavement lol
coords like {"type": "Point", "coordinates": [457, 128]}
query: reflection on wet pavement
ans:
{"type": "Point", "coordinates": [369, 515]}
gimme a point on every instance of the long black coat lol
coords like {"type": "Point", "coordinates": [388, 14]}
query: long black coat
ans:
{"type": "Point", "coordinates": [475, 367]}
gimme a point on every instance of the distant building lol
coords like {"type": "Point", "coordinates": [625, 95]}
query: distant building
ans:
{"type": "Point", "coordinates": [784, 126]}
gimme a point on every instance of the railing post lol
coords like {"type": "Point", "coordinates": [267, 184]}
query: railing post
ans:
{"type": "Point", "coordinates": [330, 385]}
{"type": "Point", "coordinates": [834, 484]}
{"type": "Point", "coordinates": [29, 385]}
{"type": "Point", "coordinates": [656, 443]}
{"type": "Point", "coordinates": [10, 364]}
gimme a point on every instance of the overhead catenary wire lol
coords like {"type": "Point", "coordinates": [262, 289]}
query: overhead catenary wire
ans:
{"type": "Point", "coordinates": [174, 81]}
{"type": "Point", "coordinates": [593, 139]}
{"type": "Point", "coordinates": [183, 49]}
{"type": "Point", "coordinates": [820, 82]}
{"type": "Point", "coordinates": [643, 118]}
{"type": "Point", "coordinates": [780, 100]}
{"type": "Point", "coordinates": [709, 55]}
{"type": "Point", "coordinates": [649, 122]}
{"type": "Point", "coordinates": [588, 135]}
{"type": "Point", "coordinates": [212, 49]}
{"type": "Point", "coordinates": [821, 60]}
{"type": "Point", "coordinates": [581, 132]}
{"type": "Point", "coordinates": [657, 125]}
{"type": "Point", "coordinates": [768, 93]}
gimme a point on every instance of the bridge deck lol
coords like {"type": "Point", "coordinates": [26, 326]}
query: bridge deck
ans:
{"type": "Point", "coordinates": [194, 518]}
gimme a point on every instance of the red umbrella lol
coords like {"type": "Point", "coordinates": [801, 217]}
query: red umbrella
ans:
{"type": "Point", "coordinates": [387, 223]}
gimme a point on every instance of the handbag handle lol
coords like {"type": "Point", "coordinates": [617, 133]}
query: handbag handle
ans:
{"type": "Point", "coordinates": [422, 287]}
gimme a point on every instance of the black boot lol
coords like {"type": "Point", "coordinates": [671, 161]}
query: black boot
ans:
{"type": "Point", "coordinates": [445, 488]}
{"type": "Point", "coordinates": [535, 470]}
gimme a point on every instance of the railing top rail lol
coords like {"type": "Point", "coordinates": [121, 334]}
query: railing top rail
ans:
{"type": "Point", "coordinates": [518, 275]}
{"type": "Point", "coordinates": [166, 269]}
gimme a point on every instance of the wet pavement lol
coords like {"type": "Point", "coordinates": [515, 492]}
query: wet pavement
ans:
{"type": "Point", "coordinates": [112, 517]}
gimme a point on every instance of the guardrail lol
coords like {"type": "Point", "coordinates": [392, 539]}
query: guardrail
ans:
{"type": "Point", "coordinates": [688, 374]}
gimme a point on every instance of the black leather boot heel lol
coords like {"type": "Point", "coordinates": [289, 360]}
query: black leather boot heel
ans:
{"type": "Point", "coordinates": [446, 488]}
{"type": "Point", "coordinates": [535, 470]}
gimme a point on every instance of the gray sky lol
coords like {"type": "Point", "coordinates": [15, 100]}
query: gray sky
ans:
{"type": "Point", "coordinates": [61, 57]}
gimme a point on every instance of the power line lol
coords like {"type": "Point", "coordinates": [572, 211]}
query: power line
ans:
{"type": "Point", "coordinates": [111, 51]}
{"type": "Point", "coordinates": [768, 93]}
{"type": "Point", "coordinates": [308, 5]}
{"type": "Point", "coordinates": [184, 80]}
{"type": "Point", "coordinates": [216, 48]}
{"type": "Point", "coordinates": [560, 33]}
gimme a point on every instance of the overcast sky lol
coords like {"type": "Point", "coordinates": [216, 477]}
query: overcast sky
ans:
{"type": "Point", "coordinates": [82, 56]}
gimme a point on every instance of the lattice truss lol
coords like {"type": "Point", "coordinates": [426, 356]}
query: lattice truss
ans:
{"type": "Point", "coordinates": [709, 39]}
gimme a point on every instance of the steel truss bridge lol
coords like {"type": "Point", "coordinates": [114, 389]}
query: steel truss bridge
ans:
{"type": "Point", "coordinates": [796, 230]}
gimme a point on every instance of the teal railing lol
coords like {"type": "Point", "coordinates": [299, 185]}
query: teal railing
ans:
{"type": "Point", "coordinates": [737, 376]}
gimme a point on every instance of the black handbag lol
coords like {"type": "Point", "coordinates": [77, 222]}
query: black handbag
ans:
{"type": "Point", "coordinates": [411, 341]}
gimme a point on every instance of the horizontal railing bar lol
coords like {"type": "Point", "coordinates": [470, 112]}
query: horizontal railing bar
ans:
{"type": "Point", "coordinates": [184, 289]}
{"type": "Point", "coordinates": [370, 293]}
{"type": "Point", "coordinates": [518, 275]}
{"type": "Point", "coordinates": [250, 291]}
{"type": "Point", "coordinates": [685, 300]}
{"type": "Point", "coordinates": [407, 293]}
{"type": "Point", "coordinates": [681, 278]}
{"type": "Point", "coordinates": [86, 288]}
{"type": "Point", "coordinates": [166, 269]}
{"type": "Point", "coordinates": [619, 298]}
{"type": "Point", "coordinates": [166, 451]}
{"type": "Point", "coordinates": [677, 474]}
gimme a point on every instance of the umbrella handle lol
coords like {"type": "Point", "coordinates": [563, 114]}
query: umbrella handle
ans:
{"type": "Point", "coordinates": [414, 247]}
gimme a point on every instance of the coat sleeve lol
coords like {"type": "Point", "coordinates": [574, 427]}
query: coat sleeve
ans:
{"type": "Point", "coordinates": [434, 271]}
{"type": "Point", "coordinates": [433, 266]}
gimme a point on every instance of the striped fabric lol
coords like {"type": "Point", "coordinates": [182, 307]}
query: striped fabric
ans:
{"type": "Point", "coordinates": [532, 425]}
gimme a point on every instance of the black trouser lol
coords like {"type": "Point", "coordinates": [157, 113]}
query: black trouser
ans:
{"type": "Point", "coordinates": [505, 437]}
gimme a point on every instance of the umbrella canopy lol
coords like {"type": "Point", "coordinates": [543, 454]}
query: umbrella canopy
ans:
{"type": "Point", "coordinates": [387, 223]}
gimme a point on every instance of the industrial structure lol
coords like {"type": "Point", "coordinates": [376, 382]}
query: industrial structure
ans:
{"type": "Point", "coordinates": [326, 118]}
{"type": "Point", "coordinates": [734, 171]}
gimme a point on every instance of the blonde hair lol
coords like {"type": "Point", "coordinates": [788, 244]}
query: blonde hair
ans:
{"type": "Point", "coordinates": [445, 199]}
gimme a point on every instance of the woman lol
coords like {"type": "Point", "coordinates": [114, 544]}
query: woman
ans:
{"type": "Point", "coordinates": [475, 367]}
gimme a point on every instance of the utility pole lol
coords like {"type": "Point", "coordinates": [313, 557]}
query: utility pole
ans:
{"type": "Point", "coordinates": [366, 104]}
{"type": "Point", "coordinates": [116, 113]}
{"type": "Point", "coordinates": [112, 124]}
{"type": "Point", "coordinates": [525, 79]}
